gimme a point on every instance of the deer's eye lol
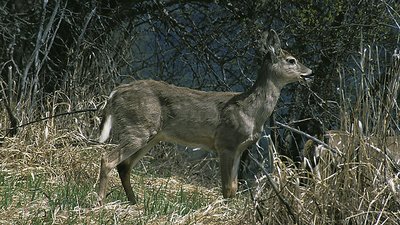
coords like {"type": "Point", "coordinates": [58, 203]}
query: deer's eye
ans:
{"type": "Point", "coordinates": [291, 61]}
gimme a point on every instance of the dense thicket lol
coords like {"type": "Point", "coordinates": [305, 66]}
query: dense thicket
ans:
{"type": "Point", "coordinates": [70, 50]}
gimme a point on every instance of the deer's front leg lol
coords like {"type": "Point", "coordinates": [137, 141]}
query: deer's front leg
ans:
{"type": "Point", "coordinates": [229, 165]}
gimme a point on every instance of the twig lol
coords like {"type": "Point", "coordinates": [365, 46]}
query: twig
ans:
{"type": "Point", "coordinates": [261, 217]}
{"type": "Point", "coordinates": [13, 120]}
{"type": "Point", "coordinates": [49, 117]}
{"type": "Point", "coordinates": [335, 151]}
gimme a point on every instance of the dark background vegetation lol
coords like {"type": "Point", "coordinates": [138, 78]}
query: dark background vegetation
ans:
{"type": "Point", "coordinates": [75, 52]}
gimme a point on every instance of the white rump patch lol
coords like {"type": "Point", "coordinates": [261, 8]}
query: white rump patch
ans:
{"type": "Point", "coordinates": [112, 94]}
{"type": "Point", "coordinates": [105, 132]}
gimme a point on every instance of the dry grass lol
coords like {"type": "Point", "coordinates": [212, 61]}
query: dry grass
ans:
{"type": "Point", "coordinates": [51, 178]}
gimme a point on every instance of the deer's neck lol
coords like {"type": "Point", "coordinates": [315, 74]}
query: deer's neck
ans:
{"type": "Point", "coordinates": [260, 100]}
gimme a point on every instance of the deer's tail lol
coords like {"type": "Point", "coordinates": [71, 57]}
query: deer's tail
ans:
{"type": "Point", "coordinates": [106, 128]}
{"type": "Point", "coordinates": [106, 122]}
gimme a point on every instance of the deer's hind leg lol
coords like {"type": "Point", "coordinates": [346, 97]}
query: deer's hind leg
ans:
{"type": "Point", "coordinates": [126, 154]}
{"type": "Point", "coordinates": [125, 168]}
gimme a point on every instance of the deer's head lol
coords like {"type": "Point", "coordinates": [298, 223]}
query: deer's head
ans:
{"type": "Point", "coordinates": [286, 68]}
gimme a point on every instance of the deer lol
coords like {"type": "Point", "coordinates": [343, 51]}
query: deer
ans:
{"type": "Point", "coordinates": [143, 113]}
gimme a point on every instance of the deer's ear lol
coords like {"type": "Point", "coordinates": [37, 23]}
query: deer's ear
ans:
{"type": "Point", "coordinates": [269, 45]}
{"type": "Point", "coordinates": [274, 43]}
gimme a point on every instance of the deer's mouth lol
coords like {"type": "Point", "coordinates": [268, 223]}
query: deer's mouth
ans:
{"type": "Point", "coordinates": [307, 78]}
